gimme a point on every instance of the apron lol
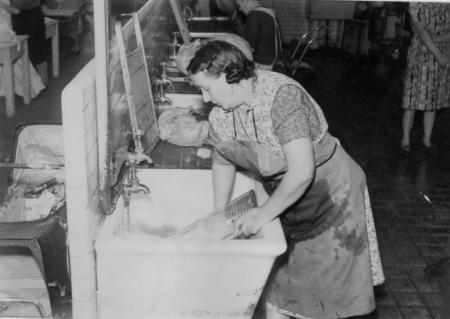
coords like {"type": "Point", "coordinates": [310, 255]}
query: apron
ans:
{"type": "Point", "coordinates": [326, 270]}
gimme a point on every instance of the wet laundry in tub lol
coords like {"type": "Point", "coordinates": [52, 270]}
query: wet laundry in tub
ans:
{"type": "Point", "coordinates": [151, 217]}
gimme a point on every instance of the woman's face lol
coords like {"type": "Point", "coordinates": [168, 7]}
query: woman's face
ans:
{"type": "Point", "coordinates": [216, 90]}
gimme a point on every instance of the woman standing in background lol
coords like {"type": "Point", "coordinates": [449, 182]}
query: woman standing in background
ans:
{"type": "Point", "coordinates": [427, 79]}
{"type": "Point", "coordinates": [261, 30]}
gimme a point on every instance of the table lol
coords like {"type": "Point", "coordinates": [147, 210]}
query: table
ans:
{"type": "Point", "coordinates": [52, 32]}
{"type": "Point", "coordinates": [10, 51]}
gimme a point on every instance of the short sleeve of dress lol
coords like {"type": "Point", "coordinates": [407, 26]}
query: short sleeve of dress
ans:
{"type": "Point", "coordinates": [290, 114]}
{"type": "Point", "coordinates": [216, 156]}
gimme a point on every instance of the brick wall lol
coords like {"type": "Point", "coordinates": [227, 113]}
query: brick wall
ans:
{"type": "Point", "coordinates": [292, 15]}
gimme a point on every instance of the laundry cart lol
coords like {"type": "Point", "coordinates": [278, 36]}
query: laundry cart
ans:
{"type": "Point", "coordinates": [33, 251]}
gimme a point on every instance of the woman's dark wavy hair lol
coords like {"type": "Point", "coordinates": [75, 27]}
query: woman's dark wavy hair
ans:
{"type": "Point", "coordinates": [217, 57]}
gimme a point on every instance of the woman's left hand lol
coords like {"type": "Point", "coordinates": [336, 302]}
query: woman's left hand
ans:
{"type": "Point", "coordinates": [252, 221]}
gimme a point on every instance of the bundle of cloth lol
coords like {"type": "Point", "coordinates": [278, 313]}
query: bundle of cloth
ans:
{"type": "Point", "coordinates": [36, 145]}
{"type": "Point", "coordinates": [179, 126]}
{"type": "Point", "coordinates": [7, 34]}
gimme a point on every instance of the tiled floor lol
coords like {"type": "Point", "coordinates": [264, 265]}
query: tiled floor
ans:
{"type": "Point", "coordinates": [410, 195]}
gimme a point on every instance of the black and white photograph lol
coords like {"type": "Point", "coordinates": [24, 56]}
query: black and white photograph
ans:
{"type": "Point", "coordinates": [224, 159]}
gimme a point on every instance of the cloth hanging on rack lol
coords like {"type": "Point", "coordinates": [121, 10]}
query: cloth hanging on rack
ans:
{"type": "Point", "coordinates": [7, 34]}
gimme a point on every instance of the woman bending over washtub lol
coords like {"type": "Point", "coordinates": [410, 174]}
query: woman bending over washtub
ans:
{"type": "Point", "coordinates": [267, 123]}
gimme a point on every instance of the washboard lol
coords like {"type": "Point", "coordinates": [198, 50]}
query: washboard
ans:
{"type": "Point", "coordinates": [137, 88]}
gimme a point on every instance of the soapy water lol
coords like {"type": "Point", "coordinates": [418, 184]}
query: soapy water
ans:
{"type": "Point", "coordinates": [214, 227]}
{"type": "Point", "coordinates": [211, 228]}
{"type": "Point", "coordinates": [161, 232]}
{"type": "Point", "coordinates": [164, 219]}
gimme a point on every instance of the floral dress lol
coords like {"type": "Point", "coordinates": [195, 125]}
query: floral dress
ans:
{"type": "Point", "coordinates": [426, 82]}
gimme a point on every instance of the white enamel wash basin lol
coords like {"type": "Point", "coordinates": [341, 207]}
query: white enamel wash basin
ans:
{"type": "Point", "coordinates": [146, 274]}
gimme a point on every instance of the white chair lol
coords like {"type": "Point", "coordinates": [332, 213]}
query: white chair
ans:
{"type": "Point", "coordinates": [10, 52]}
{"type": "Point", "coordinates": [70, 14]}
{"type": "Point", "coordinates": [303, 46]}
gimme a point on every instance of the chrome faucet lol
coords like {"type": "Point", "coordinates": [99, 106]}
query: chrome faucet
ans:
{"type": "Point", "coordinates": [127, 181]}
{"type": "Point", "coordinates": [163, 84]}
{"type": "Point", "coordinates": [174, 46]}
{"type": "Point", "coordinates": [133, 186]}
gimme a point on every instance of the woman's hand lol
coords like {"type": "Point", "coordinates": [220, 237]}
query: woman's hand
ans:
{"type": "Point", "coordinates": [252, 221]}
{"type": "Point", "coordinates": [430, 43]}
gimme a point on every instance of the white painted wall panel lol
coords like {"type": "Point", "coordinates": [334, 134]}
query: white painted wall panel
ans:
{"type": "Point", "coordinates": [80, 136]}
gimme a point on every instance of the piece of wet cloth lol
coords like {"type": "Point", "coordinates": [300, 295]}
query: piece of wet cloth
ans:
{"type": "Point", "coordinates": [7, 34]}
{"type": "Point", "coordinates": [180, 127]}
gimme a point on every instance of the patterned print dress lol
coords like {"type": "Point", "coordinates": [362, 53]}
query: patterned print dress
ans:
{"type": "Point", "coordinates": [427, 82]}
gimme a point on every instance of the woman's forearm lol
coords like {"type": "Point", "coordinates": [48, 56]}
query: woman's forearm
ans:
{"type": "Point", "coordinates": [291, 188]}
{"type": "Point", "coordinates": [300, 173]}
{"type": "Point", "coordinates": [427, 40]}
{"type": "Point", "coordinates": [223, 180]}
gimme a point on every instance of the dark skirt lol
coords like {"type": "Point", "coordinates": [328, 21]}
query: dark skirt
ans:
{"type": "Point", "coordinates": [31, 22]}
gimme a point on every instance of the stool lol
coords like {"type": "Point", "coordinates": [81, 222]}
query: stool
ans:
{"type": "Point", "coordinates": [10, 51]}
{"type": "Point", "coordinates": [32, 308]}
{"type": "Point", "coordinates": [27, 234]}
{"type": "Point", "coordinates": [52, 32]}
